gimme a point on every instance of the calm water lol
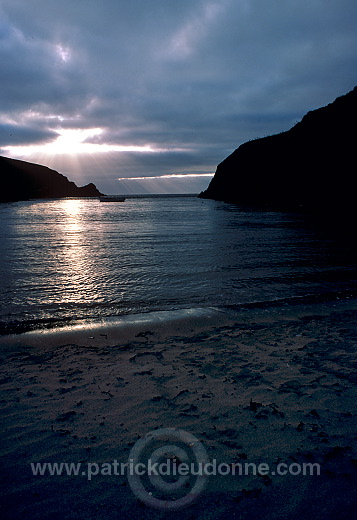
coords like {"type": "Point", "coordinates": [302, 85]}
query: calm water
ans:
{"type": "Point", "coordinates": [72, 259]}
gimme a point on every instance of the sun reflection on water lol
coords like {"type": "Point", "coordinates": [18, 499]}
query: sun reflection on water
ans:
{"type": "Point", "coordinates": [75, 266]}
{"type": "Point", "coordinates": [72, 213]}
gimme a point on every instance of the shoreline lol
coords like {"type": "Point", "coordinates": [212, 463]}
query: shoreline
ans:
{"type": "Point", "coordinates": [258, 386]}
{"type": "Point", "coordinates": [124, 327]}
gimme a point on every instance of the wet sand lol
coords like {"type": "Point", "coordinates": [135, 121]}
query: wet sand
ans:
{"type": "Point", "coordinates": [262, 386]}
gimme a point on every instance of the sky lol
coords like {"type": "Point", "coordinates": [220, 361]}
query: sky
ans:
{"type": "Point", "coordinates": [149, 96]}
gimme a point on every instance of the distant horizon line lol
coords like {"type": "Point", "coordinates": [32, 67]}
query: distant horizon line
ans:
{"type": "Point", "coordinates": [137, 195]}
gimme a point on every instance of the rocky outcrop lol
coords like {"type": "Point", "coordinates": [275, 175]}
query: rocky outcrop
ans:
{"type": "Point", "coordinates": [21, 180]}
{"type": "Point", "coordinates": [309, 167]}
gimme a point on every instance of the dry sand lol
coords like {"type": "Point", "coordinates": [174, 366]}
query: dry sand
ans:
{"type": "Point", "coordinates": [261, 386]}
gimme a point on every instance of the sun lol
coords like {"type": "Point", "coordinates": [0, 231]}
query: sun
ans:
{"type": "Point", "coordinates": [68, 142]}
{"type": "Point", "coordinates": [72, 141]}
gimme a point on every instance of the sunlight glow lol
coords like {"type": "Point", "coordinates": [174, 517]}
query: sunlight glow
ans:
{"type": "Point", "coordinates": [172, 176]}
{"type": "Point", "coordinates": [63, 52]}
{"type": "Point", "coordinates": [73, 142]}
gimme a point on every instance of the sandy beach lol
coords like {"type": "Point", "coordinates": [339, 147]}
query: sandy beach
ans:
{"type": "Point", "coordinates": [264, 386]}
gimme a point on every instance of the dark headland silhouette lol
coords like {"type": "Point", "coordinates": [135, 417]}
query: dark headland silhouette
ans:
{"type": "Point", "coordinates": [21, 180]}
{"type": "Point", "coordinates": [310, 167]}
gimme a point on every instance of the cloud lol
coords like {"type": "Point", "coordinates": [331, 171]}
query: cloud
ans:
{"type": "Point", "coordinates": [12, 134]}
{"type": "Point", "coordinates": [191, 79]}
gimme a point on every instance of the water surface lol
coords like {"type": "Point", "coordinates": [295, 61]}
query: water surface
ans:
{"type": "Point", "coordinates": [69, 259]}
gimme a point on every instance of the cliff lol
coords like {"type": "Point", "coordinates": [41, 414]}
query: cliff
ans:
{"type": "Point", "coordinates": [309, 167]}
{"type": "Point", "coordinates": [21, 180]}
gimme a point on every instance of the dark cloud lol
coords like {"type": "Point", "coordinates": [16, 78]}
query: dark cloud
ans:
{"type": "Point", "coordinates": [11, 134]}
{"type": "Point", "coordinates": [200, 76]}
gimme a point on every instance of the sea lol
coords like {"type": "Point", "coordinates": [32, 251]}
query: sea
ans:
{"type": "Point", "coordinates": [63, 261]}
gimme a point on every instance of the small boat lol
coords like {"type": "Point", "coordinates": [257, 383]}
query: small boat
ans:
{"type": "Point", "coordinates": [109, 198]}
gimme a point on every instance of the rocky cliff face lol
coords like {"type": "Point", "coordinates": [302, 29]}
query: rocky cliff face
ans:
{"type": "Point", "coordinates": [21, 180]}
{"type": "Point", "coordinates": [310, 167]}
